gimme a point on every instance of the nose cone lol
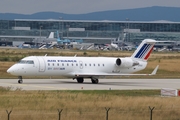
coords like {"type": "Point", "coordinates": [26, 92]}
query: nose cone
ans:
{"type": "Point", "coordinates": [10, 70]}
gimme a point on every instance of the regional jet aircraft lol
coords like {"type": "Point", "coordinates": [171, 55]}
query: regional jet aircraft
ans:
{"type": "Point", "coordinates": [85, 67]}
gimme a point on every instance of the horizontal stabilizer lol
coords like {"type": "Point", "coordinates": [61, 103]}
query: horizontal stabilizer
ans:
{"type": "Point", "coordinates": [155, 70]}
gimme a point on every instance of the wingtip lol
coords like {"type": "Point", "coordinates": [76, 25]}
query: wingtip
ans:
{"type": "Point", "coordinates": [155, 70]}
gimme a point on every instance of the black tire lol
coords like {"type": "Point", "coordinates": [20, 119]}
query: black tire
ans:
{"type": "Point", "coordinates": [20, 81]}
{"type": "Point", "coordinates": [94, 81]}
{"type": "Point", "coordinates": [80, 80]}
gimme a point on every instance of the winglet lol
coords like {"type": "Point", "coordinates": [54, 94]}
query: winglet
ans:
{"type": "Point", "coordinates": [155, 70]}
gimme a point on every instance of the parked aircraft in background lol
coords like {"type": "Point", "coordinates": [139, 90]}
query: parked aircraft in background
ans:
{"type": "Point", "coordinates": [62, 42]}
{"type": "Point", "coordinates": [114, 45]}
{"type": "Point", "coordinates": [48, 39]}
{"type": "Point", "coordinates": [85, 67]}
{"type": "Point", "coordinates": [67, 41]}
{"type": "Point", "coordinates": [51, 35]}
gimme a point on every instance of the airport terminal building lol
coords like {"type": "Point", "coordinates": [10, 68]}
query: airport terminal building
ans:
{"type": "Point", "coordinates": [89, 31]}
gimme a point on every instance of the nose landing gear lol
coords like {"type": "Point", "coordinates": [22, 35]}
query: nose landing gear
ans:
{"type": "Point", "coordinates": [20, 81]}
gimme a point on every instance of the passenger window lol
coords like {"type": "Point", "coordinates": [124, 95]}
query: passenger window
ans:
{"type": "Point", "coordinates": [85, 64]}
{"type": "Point", "coordinates": [76, 64]}
{"type": "Point", "coordinates": [58, 64]}
{"type": "Point", "coordinates": [62, 64]}
{"type": "Point", "coordinates": [67, 64]}
{"type": "Point", "coordinates": [53, 64]}
{"type": "Point", "coordinates": [48, 64]}
{"type": "Point", "coordinates": [89, 64]}
{"type": "Point", "coordinates": [94, 65]}
{"type": "Point", "coordinates": [98, 64]}
{"type": "Point", "coordinates": [72, 64]}
{"type": "Point", "coordinates": [103, 65]}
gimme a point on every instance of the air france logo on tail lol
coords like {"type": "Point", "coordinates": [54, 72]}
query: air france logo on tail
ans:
{"type": "Point", "coordinates": [144, 50]}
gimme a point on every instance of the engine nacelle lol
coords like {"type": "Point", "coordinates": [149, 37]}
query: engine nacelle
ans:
{"type": "Point", "coordinates": [126, 62]}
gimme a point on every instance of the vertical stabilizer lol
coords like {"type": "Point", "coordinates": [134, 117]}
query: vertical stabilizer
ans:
{"type": "Point", "coordinates": [144, 50]}
{"type": "Point", "coordinates": [51, 35]}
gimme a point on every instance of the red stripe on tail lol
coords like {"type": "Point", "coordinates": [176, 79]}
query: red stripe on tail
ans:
{"type": "Point", "coordinates": [147, 56]}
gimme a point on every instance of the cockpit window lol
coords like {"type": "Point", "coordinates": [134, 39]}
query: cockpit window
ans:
{"type": "Point", "coordinates": [26, 62]}
{"type": "Point", "coordinates": [30, 62]}
{"type": "Point", "coordinates": [22, 61]}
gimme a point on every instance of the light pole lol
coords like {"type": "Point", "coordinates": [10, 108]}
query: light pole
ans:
{"type": "Point", "coordinates": [15, 23]}
{"type": "Point", "coordinates": [67, 26]}
{"type": "Point", "coordinates": [61, 18]}
{"type": "Point", "coordinates": [39, 34]}
{"type": "Point", "coordinates": [127, 19]}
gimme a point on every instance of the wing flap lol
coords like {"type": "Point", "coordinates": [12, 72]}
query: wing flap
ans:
{"type": "Point", "coordinates": [115, 74]}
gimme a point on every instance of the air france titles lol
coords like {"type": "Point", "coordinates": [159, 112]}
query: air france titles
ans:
{"type": "Point", "coordinates": [61, 60]}
{"type": "Point", "coordinates": [66, 60]}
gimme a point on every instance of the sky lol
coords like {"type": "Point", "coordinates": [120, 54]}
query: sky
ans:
{"type": "Point", "coordinates": [78, 6]}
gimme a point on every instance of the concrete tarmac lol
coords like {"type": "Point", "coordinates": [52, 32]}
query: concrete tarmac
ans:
{"type": "Point", "coordinates": [104, 84]}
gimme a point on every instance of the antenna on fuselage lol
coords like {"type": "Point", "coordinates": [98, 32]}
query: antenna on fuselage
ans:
{"type": "Point", "coordinates": [45, 55]}
{"type": "Point", "coordinates": [75, 55]}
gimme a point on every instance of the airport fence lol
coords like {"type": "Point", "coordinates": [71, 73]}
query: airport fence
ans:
{"type": "Point", "coordinates": [150, 113]}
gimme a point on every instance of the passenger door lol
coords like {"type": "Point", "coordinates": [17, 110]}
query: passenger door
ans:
{"type": "Point", "coordinates": [42, 65]}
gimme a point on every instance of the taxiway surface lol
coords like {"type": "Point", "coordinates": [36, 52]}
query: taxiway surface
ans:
{"type": "Point", "coordinates": [104, 84]}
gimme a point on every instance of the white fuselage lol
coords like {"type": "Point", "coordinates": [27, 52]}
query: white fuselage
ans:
{"type": "Point", "coordinates": [70, 66]}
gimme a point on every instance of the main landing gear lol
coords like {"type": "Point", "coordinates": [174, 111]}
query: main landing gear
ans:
{"type": "Point", "coordinates": [20, 81]}
{"type": "Point", "coordinates": [81, 80]}
{"type": "Point", "coordinates": [94, 80]}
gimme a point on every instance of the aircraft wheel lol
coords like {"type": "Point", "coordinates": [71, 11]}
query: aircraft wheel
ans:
{"type": "Point", "coordinates": [80, 80]}
{"type": "Point", "coordinates": [94, 80]}
{"type": "Point", "coordinates": [20, 81]}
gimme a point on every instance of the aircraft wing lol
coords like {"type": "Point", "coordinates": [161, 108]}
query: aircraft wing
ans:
{"type": "Point", "coordinates": [115, 74]}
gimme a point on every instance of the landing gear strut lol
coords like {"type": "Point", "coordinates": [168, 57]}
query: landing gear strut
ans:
{"type": "Point", "coordinates": [20, 81]}
{"type": "Point", "coordinates": [80, 80]}
{"type": "Point", "coordinates": [94, 80]}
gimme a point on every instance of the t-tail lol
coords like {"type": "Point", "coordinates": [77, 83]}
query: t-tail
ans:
{"type": "Point", "coordinates": [144, 50]}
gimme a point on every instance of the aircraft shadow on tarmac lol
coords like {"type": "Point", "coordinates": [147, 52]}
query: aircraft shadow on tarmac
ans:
{"type": "Point", "coordinates": [89, 83]}
{"type": "Point", "coordinates": [86, 83]}
{"type": "Point", "coordinates": [104, 83]}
